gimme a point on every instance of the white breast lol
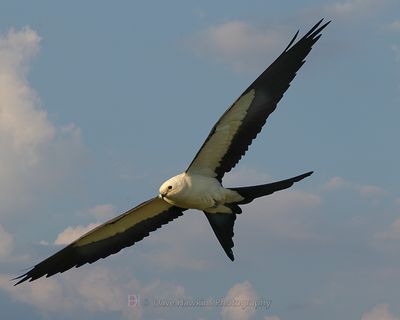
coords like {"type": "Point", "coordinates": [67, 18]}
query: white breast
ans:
{"type": "Point", "coordinates": [200, 192]}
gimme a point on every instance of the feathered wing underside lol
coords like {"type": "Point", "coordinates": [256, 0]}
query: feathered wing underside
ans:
{"type": "Point", "coordinates": [107, 239]}
{"type": "Point", "coordinates": [231, 136]}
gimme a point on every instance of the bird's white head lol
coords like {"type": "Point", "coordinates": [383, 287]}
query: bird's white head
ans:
{"type": "Point", "coordinates": [171, 188]}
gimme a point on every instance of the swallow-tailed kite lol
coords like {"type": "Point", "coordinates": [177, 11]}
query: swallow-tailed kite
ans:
{"type": "Point", "coordinates": [200, 186]}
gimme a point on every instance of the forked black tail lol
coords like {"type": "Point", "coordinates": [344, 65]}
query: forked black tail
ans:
{"type": "Point", "coordinates": [254, 192]}
{"type": "Point", "coordinates": [222, 223]}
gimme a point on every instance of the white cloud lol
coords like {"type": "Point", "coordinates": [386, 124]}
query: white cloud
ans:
{"type": "Point", "coordinates": [101, 289]}
{"type": "Point", "coordinates": [23, 124]}
{"type": "Point", "coordinates": [24, 127]}
{"type": "Point", "coordinates": [239, 44]}
{"type": "Point", "coordinates": [95, 289]}
{"type": "Point", "coordinates": [245, 47]}
{"type": "Point", "coordinates": [394, 26]}
{"type": "Point", "coordinates": [34, 152]}
{"type": "Point", "coordinates": [336, 183]}
{"type": "Point", "coordinates": [289, 200]}
{"type": "Point", "coordinates": [286, 214]}
{"type": "Point", "coordinates": [72, 233]}
{"type": "Point", "coordinates": [391, 233]}
{"type": "Point", "coordinates": [379, 312]}
{"type": "Point", "coordinates": [46, 294]}
{"type": "Point", "coordinates": [369, 191]}
{"type": "Point", "coordinates": [352, 8]}
{"type": "Point", "coordinates": [6, 242]}
{"type": "Point", "coordinates": [101, 212]}
{"type": "Point", "coordinates": [236, 301]}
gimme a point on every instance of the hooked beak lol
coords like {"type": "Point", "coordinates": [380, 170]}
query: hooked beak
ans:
{"type": "Point", "coordinates": [162, 195]}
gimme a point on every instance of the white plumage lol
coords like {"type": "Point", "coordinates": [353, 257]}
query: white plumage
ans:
{"type": "Point", "coordinates": [194, 191]}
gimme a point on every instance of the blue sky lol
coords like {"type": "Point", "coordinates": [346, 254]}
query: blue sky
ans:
{"type": "Point", "coordinates": [101, 102]}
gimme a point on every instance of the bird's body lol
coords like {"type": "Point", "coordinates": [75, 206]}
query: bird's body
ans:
{"type": "Point", "coordinates": [195, 191]}
{"type": "Point", "coordinates": [200, 186]}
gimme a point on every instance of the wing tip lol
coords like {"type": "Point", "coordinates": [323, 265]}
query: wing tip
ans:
{"type": "Point", "coordinates": [29, 276]}
{"type": "Point", "coordinates": [22, 278]}
{"type": "Point", "coordinates": [291, 41]}
{"type": "Point", "coordinates": [309, 173]}
{"type": "Point", "coordinates": [313, 34]}
{"type": "Point", "coordinates": [316, 29]}
{"type": "Point", "coordinates": [302, 176]}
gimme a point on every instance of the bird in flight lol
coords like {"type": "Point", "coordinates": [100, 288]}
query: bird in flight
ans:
{"type": "Point", "coordinates": [200, 186]}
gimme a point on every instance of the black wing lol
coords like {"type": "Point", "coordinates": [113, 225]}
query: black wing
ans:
{"type": "Point", "coordinates": [109, 238]}
{"type": "Point", "coordinates": [231, 136]}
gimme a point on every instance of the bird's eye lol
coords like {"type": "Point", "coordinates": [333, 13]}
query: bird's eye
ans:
{"type": "Point", "coordinates": [169, 187]}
